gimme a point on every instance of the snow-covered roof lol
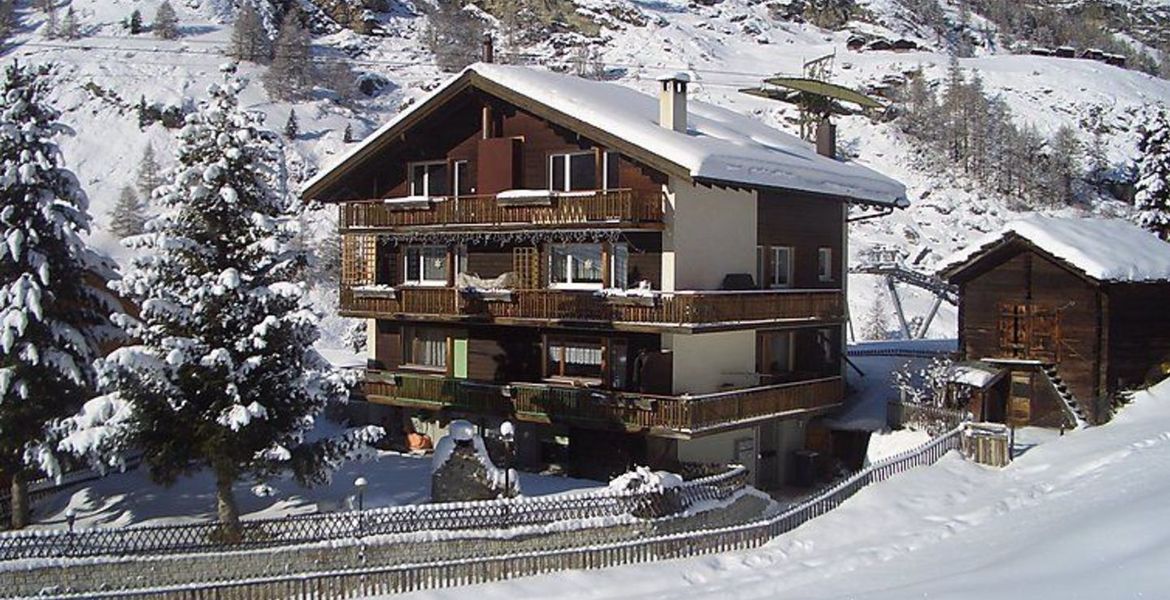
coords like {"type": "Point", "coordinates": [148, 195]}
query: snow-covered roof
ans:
{"type": "Point", "coordinates": [719, 146]}
{"type": "Point", "coordinates": [1103, 249]}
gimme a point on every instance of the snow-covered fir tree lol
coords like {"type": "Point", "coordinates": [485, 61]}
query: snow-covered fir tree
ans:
{"type": "Point", "coordinates": [166, 22]}
{"type": "Point", "coordinates": [347, 135]}
{"type": "Point", "coordinates": [290, 76]}
{"type": "Point", "coordinates": [70, 28]}
{"type": "Point", "coordinates": [128, 217]}
{"type": "Point", "coordinates": [1153, 175]}
{"type": "Point", "coordinates": [877, 318]}
{"type": "Point", "coordinates": [291, 127]}
{"type": "Point", "coordinates": [224, 376]}
{"type": "Point", "coordinates": [134, 23]}
{"type": "Point", "coordinates": [53, 313]}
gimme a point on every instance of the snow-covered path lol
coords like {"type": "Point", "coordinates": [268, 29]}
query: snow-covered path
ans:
{"type": "Point", "coordinates": [1083, 516]}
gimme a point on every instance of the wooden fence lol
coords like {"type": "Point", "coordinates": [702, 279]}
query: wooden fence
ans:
{"type": "Point", "coordinates": [545, 403]}
{"type": "Point", "coordinates": [373, 581]}
{"type": "Point", "coordinates": [621, 206]}
{"type": "Point", "coordinates": [929, 418]}
{"type": "Point", "coordinates": [289, 531]}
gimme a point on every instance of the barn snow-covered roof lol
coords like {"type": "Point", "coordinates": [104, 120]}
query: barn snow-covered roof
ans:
{"type": "Point", "coordinates": [1108, 250]}
{"type": "Point", "coordinates": [720, 146]}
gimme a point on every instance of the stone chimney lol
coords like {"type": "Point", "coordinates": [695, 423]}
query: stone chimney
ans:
{"type": "Point", "coordinates": [827, 138]}
{"type": "Point", "coordinates": [672, 101]}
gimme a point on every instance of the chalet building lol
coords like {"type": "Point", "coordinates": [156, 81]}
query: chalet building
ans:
{"type": "Point", "coordinates": [1057, 316]}
{"type": "Point", "coordinates": [628, 278]}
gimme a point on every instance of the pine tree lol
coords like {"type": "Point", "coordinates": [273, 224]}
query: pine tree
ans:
{"type": "Point", "coordinates": [128, 218]}
{"type": "Point", "coordinates": [70, 30]}
{"type": "Point", "coordinates": [291, 128]}
{"type": "Point", "coordinates": [454, 35]}
{"type": "Point", "coordinates": [150, 174]}
{"type": "Point", "coordinates": [347, 135]}
{"type": "Point", "coordinates": [225, 376]}
{"type": "Point", "coordinates": [166, 22]}
{"type": "Point", "coordinates": [135, 23]}
{"type": "Point", "coordinates": [249, 39]}
{"type": "Point", "coordinates": [1153, 175]}
{"type": "Point", "coordinates": [7, 19]}
{"type": "Point", "coordinates": [1065, 162]}
{"type": "Point", "coordinates": [52, 317]}
{"type": "Point", "coordinates": [877, 318]}
{"type": "Point", "coordinates": [291, 74]}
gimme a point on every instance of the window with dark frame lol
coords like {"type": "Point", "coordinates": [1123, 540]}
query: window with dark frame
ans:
{"type": "Point", "coordinates": [577, 171]}
{"type": "Point", "coordinates": [424, 347]}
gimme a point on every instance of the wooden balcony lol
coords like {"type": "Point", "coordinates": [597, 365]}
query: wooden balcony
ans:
{"type": "Point", "coordinates": [625, 208]}
{"type": "Point", "coordinates": [683, 416]}
{"type": "Point", "coordinates": [686, 311]}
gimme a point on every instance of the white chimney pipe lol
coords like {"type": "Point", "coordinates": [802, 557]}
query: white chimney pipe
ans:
{"type": "Point", "coordinates": [672, 101]}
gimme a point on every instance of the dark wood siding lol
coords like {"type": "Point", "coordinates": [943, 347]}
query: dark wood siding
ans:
{"type": "Point", "coordinates": [388, 345]}
{"type": "Point", "coordinates": [805, 224]}
{"type": "Point", "coordinates": [1139, 332]}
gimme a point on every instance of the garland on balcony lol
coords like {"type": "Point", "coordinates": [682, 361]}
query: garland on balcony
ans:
{"type": "Point", "coordinates": [502, 237]}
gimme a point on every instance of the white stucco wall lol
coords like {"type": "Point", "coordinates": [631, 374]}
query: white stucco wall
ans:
{"type": "Point", "coordinates": [372, 339]}
{"type": "Point", "coordinates": [710, 232]}
{"type": "Point", "coordinates": [704, 362]}
{"type": "Point", "coordinates": [719, 448]}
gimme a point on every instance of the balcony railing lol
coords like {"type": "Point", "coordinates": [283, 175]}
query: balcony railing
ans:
{"type": "Point", "coordinates": [704, 309]}
{"type": "Point", "coordinates": [544, 403]}
{"type": "Point", "coordinates": [631, 208]}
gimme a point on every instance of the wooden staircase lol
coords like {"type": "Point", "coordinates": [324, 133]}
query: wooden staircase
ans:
{"type": "Point", "coordinates": [1071, 406]}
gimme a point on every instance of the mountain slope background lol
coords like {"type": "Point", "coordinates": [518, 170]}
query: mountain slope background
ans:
{"type": "Point", "coordinates": [106, 72]}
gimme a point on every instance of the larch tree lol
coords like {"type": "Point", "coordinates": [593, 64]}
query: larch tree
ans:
{"type": "Point", "coordinates": [150, 174]}
{"type": "Point", "coordinates": [290, 76]}
{"type": "Point", "coordinates": [250, 40]}
{"type": "Point", "coordinates": [291, 127]}
{"type": "Point", "coordinates": [134, 23]}
{"type": "Point", "coordinates": [1066, 153]}
{"type": "Point", "coordinates": [224, 376]}
{"type": "Point", "coordinates": [1153, 175]}
{"type": "Point", "coordinates": [54, 312]}
{"type": "Point", "coordinates": [877, 317]}
{"type": "Point", "coordinates": [166, 22]}
{"type": "Point", "coordinates": [454, 34]}
{"type": "Point", "coordinates": [70, 28]}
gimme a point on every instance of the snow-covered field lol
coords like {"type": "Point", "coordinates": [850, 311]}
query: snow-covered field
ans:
{"type": "Point", "coordinates": [132, 499]}
{"type": "Point", "coordinates": [1080, 516]}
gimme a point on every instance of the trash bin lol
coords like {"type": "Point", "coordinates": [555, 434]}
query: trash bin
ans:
{"type": "Point", "coordinates": [806, 467]}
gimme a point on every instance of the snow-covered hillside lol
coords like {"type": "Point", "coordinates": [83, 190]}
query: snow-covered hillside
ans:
{"type": "Point", "coordinates": [725, 46]}
{"type": "Point", "coordinates": [1081, 516]}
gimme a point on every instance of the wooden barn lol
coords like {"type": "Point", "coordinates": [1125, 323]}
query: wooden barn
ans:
{"type": "Point", "coordinates": [1072, 311]}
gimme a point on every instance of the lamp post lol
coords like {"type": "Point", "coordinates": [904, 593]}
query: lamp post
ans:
{"type": "Point", "coordinates": [71, 518]}
{"type": "Point", "coordinates": [360, 484]}
{"type": "Point", "coordinates": [508, 436]}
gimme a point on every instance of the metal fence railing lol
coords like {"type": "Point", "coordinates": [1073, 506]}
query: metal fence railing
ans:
{"type": "Point", "coordinates": [373, 581]}
{"type": "Point", "coordinates": [289, 531]}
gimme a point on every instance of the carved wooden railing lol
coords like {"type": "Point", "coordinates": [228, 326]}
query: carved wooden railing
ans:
{"type": "Point", "coordinates": [660, 308]}
{"type": "Point", "coordinates": [547, 403]}
{"type": "Point", "coordinates": [623, 206]}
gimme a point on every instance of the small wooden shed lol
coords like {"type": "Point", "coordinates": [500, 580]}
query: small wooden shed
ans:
{"type": "Point", "coordinates": [1074, 310]}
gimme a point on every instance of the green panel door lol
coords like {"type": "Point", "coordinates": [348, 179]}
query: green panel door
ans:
{"type": "Point", "coordinates": [461, 359]}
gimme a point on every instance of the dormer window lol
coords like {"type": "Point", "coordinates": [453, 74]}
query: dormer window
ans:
{"type": "Point", "coordinates": [429, 179]}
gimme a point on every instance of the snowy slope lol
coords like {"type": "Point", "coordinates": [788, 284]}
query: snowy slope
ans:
{"type": "Point", "coordinates": [724, 47]}
{"type": "Point", "coordinates": [1080, 516]}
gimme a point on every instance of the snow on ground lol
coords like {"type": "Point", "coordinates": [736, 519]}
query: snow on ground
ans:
{"type": "Point", "coordinates": [884, 444]}
{"type": "Point", "coordinates": [1081, 516]}
{"type": "Point", "coordinates": [132, 499]}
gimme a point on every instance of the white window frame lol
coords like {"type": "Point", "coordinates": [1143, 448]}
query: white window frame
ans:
{"type": "Point", "coordinates": [410, 167]}
{"type": "Point", "coordinates": [789, 267]}
{"type": "Point", "coordinates": [605, 169]}
{"type": "Point", "coordinates": [825, 263]}
{"type": "Point", "coordinates": [420, 281]}
{"type": "Point", "coordinates": [568, 170]}
{"type": "Point", "coordinates": [455, 177]}
{"type": "Point", "coordinates": [615, 250]}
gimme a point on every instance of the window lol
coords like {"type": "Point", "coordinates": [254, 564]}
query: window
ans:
{"type": "Point", "coordinates": [825, 264]}
{"type": "Point", "coordinates": [579, 266]}
{"type": "Point", "coordinates": [569, 172]}
{"type": "Point", "coordinates": [426, 265]}
{"type": "Point", "coordinates": [429, 179]}
{"type": "Point", "coordinates": [574, 357]}
{"type": "Point", "coordinates": [575, 265]}
{"type": "Point", "coordinates": [776, 352]}
{"type": "Point", "coordinates": [781, 266]}
{"type": "Point", "coordinates": [424, 347]}
{"type": "Point", "coordinates": [463, 185]}
{"type": "Point", "coordinates": [612, 167]}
